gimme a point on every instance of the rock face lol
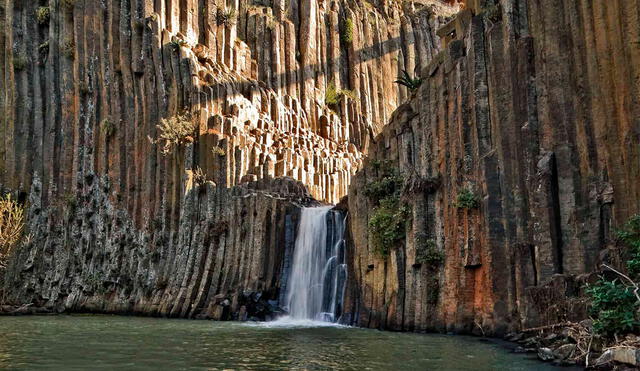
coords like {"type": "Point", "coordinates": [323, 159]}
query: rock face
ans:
{"type": "Point", "coordinates": [222, 258]}
{"type": "Point", "coordinates": [528, 122]}
{"type": "Point", "coordinates": [275, 88]}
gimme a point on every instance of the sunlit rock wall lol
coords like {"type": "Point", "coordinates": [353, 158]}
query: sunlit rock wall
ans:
{"type": "Point", "coordinates": [253, 74]}
{"type": "Point", "coordinates": [534, 108]}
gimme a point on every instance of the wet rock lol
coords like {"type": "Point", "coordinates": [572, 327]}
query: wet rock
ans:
{"type": "Point", "coordinates": [564, 351]}
{"type": "Point", "coordinates": [545, 354]}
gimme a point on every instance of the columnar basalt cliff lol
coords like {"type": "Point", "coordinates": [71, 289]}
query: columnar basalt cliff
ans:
{"type": "Point", "coordinates": [164, 150]}
{"type": "Point", "coordinates": [518, 156]}
{"type": "Point", "coordinates": [86, 82]}
{"type": "Point", "coordinates": [293, 88]}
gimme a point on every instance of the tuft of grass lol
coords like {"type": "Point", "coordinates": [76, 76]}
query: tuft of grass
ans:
{"type": "Point", "coordinates": [12, 222]}
{"type": "Point", "coordinates": [199, 177]}
{"type": "Point", "coordinates": [334, 96]}
{"type": "Point", "coordinates": [43, 14]}
{"type": "Point", "coordinates": [218, 151]}
{"type": "Point", "coordinates": [466, 199]}
{"type": "Point", "coordinates": [226, 17]}
{"type": "Point", "coordinates": [173, 132]}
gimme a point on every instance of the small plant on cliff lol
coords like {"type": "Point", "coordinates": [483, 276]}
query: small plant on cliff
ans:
{"type": "Point", "coordinates": [615, 304]}
{"type": "Point", "coordinates": [346, 34]}
{"type": "Point", "coordinates": [68, 49]}
{"type": "Point", "coordinates": [388, 183]}
{"type": "Point", "coordinates": [68, 4]}
{"type": "Point", "coordinates": [176, 44]}
{"type": "Point", "coordinates": [406, 80]}
{"type": "Point", "coordinates": [20, 62]}
{"type": "Point", "coordinates": [226, 17]}
{"type": "Point", "coordinates": [218, 151]}
{"type": "Point", "coordinates": [427, 252]}
{"type": "Point", "coordinates": [174, 132]}
{"type": "Point", "coordinates": [43, 14]}
{"type": "Point", "coordinates": [199, 177]}
{"type": "Point", "coordinates": [387, 225]}
{"type": "Point", "coordinates": [11, 227]}
{"type": "Point", "coordinates": [107, 128]}
{"type": "Point", "coordinates": [491, 11]}
{"type": "Point", "coordinates": [333, 96]}
{"type": "Point", "coordinates": [467, 199]}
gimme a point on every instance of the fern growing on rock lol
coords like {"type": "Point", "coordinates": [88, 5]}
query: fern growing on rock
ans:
{"type": "Point", "coordinates": [406, 80]}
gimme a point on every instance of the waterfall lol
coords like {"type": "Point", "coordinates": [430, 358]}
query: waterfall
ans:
{"type": "Point", "coordinates": [318, 273]}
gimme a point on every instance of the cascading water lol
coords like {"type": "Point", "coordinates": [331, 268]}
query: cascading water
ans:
{"type": "Point", "coordinates": [318, 274]}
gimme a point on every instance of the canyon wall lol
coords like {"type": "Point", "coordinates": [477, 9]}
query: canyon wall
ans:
{"type": "Point", "coordinates": [518, 156]}
{"type": "Point", "coordinates": [121, 222]}
{"type": "Point", "coordinates": [277, 88]}
{"type": "Point", "coordinates": [222, 259]}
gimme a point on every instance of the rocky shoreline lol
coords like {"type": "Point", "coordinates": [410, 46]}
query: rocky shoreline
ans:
{"type": "Point", "coordinates": [575, 344]}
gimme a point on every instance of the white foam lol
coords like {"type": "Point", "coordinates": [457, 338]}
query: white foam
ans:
{"type": "Point", "coordinates": [288, 322]}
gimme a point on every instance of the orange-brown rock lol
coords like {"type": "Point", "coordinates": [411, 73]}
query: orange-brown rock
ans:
{"type": "Point", "coordinates": [534, 110]}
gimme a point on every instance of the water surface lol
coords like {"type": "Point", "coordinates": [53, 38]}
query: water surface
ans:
{"type": "Point", "coordinates": [131, 343]}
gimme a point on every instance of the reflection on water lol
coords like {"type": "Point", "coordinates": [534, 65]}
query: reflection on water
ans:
{"type": "Point", "coordinates": [111, 342]}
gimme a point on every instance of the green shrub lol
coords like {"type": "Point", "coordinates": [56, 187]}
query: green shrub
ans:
{"type": "Point", "coordinates": [388, 185]}
{"type": "Point", "coordinates": [387, 225]}
{"type": "Point", "coordinates": [43, 14]}
{"type": "Point", "coordinates": [467, 199]}
{"type": "Point", "coordinates": [173, 132]}
{"type": "Point", "coordinates": [406, 80]}
{"type": "Point", "coordinates": [347, 31]}
{"type": "Point", "coordinates": [615, 305]}
{"type": "Point", "coordinates": [427, 252]}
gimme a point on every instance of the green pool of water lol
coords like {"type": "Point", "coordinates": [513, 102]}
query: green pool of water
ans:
{"type": "Point", "coordinates": [131, 343]}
